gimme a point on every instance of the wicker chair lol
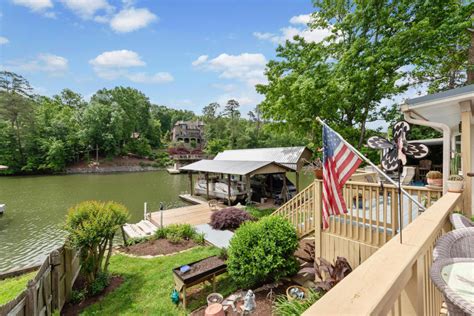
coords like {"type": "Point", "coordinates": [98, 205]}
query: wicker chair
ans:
{"type": "Point", "coordinates": [458, 243]}
{"type": "Point", "coordinates": [460, 221]}
{"type": "Point", "coordinates": [457, 305]}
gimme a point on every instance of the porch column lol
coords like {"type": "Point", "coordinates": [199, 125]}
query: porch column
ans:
{"type": "Point", "coordinates": [466, 114]}
{"type": "Point", "coordinates": [228, 189]}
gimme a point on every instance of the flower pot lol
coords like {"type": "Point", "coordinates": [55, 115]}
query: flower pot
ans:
{"type": "Point", "coordinates": [435, 182]}
{"type": "Point", "coordinates": [318, 173]}
{"type": "Point", "coordinates": [301, 289]}
{"type": "Point", "coordinates": [214, 298]}
{"type": "Point", "coordinates": [455, 186]}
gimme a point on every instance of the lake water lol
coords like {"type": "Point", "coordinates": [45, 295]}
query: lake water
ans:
{"type": "Point", "coordinates": [37, 206]}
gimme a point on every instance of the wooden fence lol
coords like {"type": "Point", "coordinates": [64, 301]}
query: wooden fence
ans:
{"type": "Point", "coordinates": [50, 288]}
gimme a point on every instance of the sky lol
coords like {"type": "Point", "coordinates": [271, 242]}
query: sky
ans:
{"type": "Point", "coordinates": [182, 54]}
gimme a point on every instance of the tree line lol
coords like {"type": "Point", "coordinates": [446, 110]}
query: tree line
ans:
{"type": "Point", "coordinates": [40, 134]}
{"type": "Point", "coordinates": [46, 134]}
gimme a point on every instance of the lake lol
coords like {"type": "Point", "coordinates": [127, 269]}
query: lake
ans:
{"type": "Point", "coordinates": [37, 206]}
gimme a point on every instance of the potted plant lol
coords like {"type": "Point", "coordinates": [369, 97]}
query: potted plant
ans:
{"type": "Point", "coordinates": [434, 178]}
{"type": "Point", "coordinates": [317, 167]}
{"type": "Point", "coordinates": [455, 181]}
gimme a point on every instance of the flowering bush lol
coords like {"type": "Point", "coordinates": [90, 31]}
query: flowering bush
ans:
{"type": "Point", "coordinates": [229, 218]}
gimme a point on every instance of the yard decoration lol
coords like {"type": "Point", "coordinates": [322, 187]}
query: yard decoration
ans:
{"type": "Point", "coordinates": [249, 301]}
{"type": "Point", "coordinates": [395, 155]}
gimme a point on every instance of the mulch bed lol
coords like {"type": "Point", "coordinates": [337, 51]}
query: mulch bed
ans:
{"type": "Point", "coordinates": [263, 302]}
{"type": "Point", "coordinates": [157, 247]}
{"type": "Point", "coordinates": [75, 309]}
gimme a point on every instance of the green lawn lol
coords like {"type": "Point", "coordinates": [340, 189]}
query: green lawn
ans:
{"type": "Point", "coordinates": [11, 287]}
{"type": "Point", "coordinates": [148, 285]}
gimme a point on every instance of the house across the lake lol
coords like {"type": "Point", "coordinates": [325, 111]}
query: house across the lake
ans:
{"type": "Point", "coordinates": [191, 133]}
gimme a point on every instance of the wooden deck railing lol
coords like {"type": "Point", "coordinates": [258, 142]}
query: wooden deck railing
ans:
{"type": "Point", "coordinates": [300, 210]}
{"type": "Point", "coordinates": [395, 279]}
{"type": "Point", "coordinates": [373, 211]}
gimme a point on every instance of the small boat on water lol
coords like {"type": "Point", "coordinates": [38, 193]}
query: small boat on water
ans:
{"type": "Point", "coordinates": [219, 189]}
{"type": "Point", "coordinates": [262, 186]}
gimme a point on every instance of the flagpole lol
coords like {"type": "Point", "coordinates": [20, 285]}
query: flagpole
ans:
{"type": "Point", "coordinates": [375, 167]}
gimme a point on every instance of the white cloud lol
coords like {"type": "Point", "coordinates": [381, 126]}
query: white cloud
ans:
{"type": "Point", "coordinates": [289, 32]}
{"type": "Point", "coordinates": [131, 19]}
{"type": "Point", "coordinates": [301, 19]}
{"type": "Point", "coordinates": [86, 9]}
{"type": "Point", "coordinates": [117, 59]}
{"type": "Point", "coordinates": [49, 63]}
{"type": "Point", "coordinates": [225, 87]}
{"type": "Point", "coordinates": [200, 60]}
{"type": "Point", "coordinates": [159, 77]}
{"type": "Point", "coordinates": [246, 67]}
{"type": "Point", "coordinates": [4, 40]}
{"type": "Point", "coordinates": [35, 5]}
{"type": "Point", "coordinates": [116, 64]}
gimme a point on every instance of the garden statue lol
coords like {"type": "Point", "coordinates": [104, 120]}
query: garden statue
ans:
{"type": "Point", "coordinates": [249, 301]}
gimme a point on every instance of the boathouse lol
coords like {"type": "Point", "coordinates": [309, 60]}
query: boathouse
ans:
{"type": "Point", "coordinates": [247, 163]}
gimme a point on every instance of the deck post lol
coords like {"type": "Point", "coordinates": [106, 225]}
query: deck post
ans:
{"type": "Point", "coordinates": [191, 187]}
{"type": "Point", "coordinates": [466, 141]}
{"type": "Point", "coordinates": [317, 218]}
{"type": "Point", "coordinates": [207, 185]}
{"type": "Point", "coordinates": [228, 188]}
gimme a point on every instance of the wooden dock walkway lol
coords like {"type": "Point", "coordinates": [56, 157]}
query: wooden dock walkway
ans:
{"type": "Point", "coordinates": [194, 215]}
{"type": "Point", "coordinates": [192, 199]}
{"type": "Point", "coordinates": [197, 214]}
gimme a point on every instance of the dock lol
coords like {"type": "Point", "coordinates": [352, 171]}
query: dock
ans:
{"type": "Point", "coordinates": [192, 199]}
{"type": "Point", "coordinates": [194, 215]}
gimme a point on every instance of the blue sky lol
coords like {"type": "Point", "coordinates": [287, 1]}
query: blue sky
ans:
{"type": "Point", "coordinates": [183, 54]}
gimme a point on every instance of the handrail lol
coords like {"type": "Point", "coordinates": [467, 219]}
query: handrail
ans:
{"type": "Point", "coordinates": [395, 273]}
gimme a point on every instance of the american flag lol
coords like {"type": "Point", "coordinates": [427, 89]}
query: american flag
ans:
{"type": "Point", "coordinates": [339, 163]}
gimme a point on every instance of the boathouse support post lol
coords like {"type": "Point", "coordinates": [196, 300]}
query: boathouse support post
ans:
{"type": "Point", "coordinates": [297, 182]}
{"type": "Point", "coordinates": [191, 187]}
{"type": "Point", "coordinates": [207, 185]}
{"type": "Point", "coordinates": [249, 190]}
{"type": "Point", "coordinates": [228, 188]}
{"type": "Point", "coordinates": [284, 190]}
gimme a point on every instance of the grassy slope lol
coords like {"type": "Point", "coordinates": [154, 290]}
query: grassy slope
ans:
{"type": "Point", "coordinates": [148, 285]}
{"type": "Point", "coordinates": [11, 287]}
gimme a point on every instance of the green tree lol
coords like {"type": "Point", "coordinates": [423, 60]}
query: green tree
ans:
{"type": "Point", "coordinates": [16, 107]}
{"type": "Point", "coordinates": [91, 227]}
{"type": "Point", "coordinates": [366, 60]}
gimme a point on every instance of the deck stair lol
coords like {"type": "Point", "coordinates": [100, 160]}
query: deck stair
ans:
{"type": "Point", "coordinates": [299, 211]}
{"type": "Point", "coordinates": [144, 228]}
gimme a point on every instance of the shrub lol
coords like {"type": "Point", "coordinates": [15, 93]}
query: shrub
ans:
{"type": "Point", "coordinates": [229, 218]}
{"type": "Point", "coordinates": [262, 251]}
{"type": "Point", "coordinates": [328, 274]}
{"type": "Point", "coordinates": [91, 226]}
{"type": "Point", "coordinates": [176, 233]}
{"type": "Point", "coordinates": [199, 238]}
{"type": "Point", "coordinates": [99, 284]}
{"type": "Point", "coordinates": [78, 296]}
{"type": "Point", "coordinates": [259, 213]}
{"type": "Point", "coordinates": [283, 307]}
{"type": "Point", "coordinates": [161, 233]}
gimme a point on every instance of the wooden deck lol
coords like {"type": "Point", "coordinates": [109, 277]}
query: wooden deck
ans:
{"type": "Point", "coordinates": [194, 215]}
